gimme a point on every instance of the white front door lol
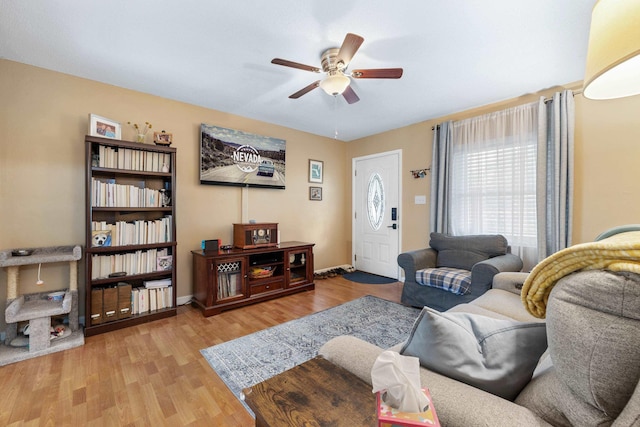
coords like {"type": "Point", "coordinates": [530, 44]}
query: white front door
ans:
{"type": "Point", "coordinates": [376, 210]}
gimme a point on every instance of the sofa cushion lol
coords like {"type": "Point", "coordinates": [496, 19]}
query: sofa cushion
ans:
{"type": "Point", "coordinates": [454, 280]}
{"type": "Point", "coordinates": [505, 303]}
{"type": "Point", "coordinates": [466, 251]}
{"type": "Point", "coordinates": [498, 356]}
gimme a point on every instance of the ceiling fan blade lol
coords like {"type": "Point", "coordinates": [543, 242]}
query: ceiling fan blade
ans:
{"type": "Point", "coordinates": [349, 47]}
{"type": "Point", "coordinates": [378, 73]}
{"type": "Point", "coordinates": [297, 65]}
{"type": "Point", "coordinates": [350, 95]}
{"type": "Point", "coordinates": [305, 90]}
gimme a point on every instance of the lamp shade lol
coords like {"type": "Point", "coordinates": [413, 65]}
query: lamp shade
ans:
{"type": "Point", "coordinates": [335, 84]}
{"type": "Point", "coordinates": [613, 58]}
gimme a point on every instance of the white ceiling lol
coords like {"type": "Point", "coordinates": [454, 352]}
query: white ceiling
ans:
{"type": "Point", "coordinates": [456, 54]}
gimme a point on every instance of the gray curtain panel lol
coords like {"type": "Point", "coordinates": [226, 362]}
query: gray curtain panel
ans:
{"type": "Point", "coordinates": [440, 178]}
{"type": "Point", "coordinates": [554, 173]}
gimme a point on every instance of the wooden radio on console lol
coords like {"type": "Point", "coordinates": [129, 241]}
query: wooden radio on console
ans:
{"type": "Point", "coordinates": [255, 235]}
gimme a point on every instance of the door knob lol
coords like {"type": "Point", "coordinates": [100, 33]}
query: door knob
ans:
{"type": "Point", "coordinates": [394, 226]}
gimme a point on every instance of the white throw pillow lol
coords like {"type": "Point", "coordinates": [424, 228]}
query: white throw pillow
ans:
{"type": "Point", "coordinates": [495, 355]}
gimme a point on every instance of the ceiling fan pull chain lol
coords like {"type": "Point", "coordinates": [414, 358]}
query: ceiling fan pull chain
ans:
{"type": "Point", "coordinates": [335, 112]}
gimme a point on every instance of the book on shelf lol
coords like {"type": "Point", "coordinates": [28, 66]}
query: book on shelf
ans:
{"type": "Point", "coordinates": [146, 300]}
{"type": "Point", "coordinates": [389, 416]}
{"type": "Point", "coordinates": [153, 299]}
{"type": "Point", "coordinates": [159, 283]}
{"type": "Point", "coordinates": [106, 193]}
{"type": "Point", "coordinates": [131, 159]}
{"type": "Point", "coordinates": [143, 300]}
{"type": "Point", "coordinates": [138, 232]}
{"type": "Point", "coordinates": [135, 262]}
{"type": "Point", "coordinates": [135, 301]}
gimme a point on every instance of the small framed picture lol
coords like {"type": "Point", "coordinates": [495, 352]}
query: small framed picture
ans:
{"type": "Point", "coordinates": [164, 263]}
{"type": "Point", "coordinates": [162, 138]}
{"type": "Point", "coordinates": [100, 238]}
{"type": "Point", "coordinates": [316, 170]}
{"type": "Point", "coordinates": [315, 193]}
{"type": "Point", "coordinates": [106, 128]}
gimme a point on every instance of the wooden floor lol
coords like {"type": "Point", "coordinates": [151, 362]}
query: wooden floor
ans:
{"type": "Point", "coordinates": [154, 374]}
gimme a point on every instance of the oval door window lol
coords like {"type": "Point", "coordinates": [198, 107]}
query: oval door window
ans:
{"type": "Point", "coordinates": [375, 201]}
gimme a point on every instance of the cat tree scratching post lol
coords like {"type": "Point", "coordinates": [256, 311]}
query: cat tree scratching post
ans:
{"type": "Point", "coordinates": [36, 308]}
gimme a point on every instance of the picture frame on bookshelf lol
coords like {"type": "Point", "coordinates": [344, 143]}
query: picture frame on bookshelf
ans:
{"type": "Point", "coordinates": [164, 263]}
{"type": "Point", "coordinates": [162, 138]}
{"type": "Point", "coordinates": [103, 127]}
{"type": "Point", "coordinates": [315, 193]}
{"type": "Point", "coordinates": [100, 238]}
{"type": "Point", "coordinates": [316, 171]}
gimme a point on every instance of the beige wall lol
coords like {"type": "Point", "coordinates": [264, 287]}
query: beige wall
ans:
{"type": "Point", "coordinates": [607, 165]}
{"type": "Point", "coordinates": [43, 120]}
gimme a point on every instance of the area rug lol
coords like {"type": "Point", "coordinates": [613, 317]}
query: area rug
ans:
{"type": "Point", "coordinates": [368, 278]}
{"type": "Point", "coordinates": [251, 359]}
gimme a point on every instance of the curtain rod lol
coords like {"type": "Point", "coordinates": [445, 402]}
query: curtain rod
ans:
{"type": "Point", "coordinates": [575, 92]}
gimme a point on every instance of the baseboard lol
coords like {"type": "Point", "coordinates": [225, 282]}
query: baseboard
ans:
{"type": "Point", "coordinates": [343, 266]}
{"type": "Point", "coordinates": [184, 300]}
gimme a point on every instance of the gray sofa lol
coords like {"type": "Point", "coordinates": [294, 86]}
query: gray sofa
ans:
{"type": "Point", "coordinates": [593, 332]}
{"type": "Point", "coordinates": [483, 255]}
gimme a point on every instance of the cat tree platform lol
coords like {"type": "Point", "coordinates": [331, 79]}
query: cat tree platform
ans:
{"type": "Point", "coordinates": [36, 308]}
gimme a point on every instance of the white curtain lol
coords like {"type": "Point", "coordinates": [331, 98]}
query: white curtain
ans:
{"type": "Point", "coordinates": [494, 185]}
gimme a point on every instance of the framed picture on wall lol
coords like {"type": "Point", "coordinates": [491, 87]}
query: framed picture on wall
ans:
{"type": "Point", "coordinates": [316, 170]}
{"type": "Point", "coordinates": [106, 128]}
{"type": "Point", "coordinates": [315, 193]}
{"type": "Point", "coordinates": [234, 157]}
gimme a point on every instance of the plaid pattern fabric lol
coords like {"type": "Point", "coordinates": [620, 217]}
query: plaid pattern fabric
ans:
{"type": "Point", "coordinates": [450, 279]}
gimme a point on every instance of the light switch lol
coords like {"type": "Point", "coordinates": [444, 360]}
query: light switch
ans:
{"type": "Point", "coordinates": [420, 200]}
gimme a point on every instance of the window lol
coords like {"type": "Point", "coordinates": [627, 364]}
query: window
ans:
{"type": "Point", "coordinates": [493, 178]}
{"type": "Point", "coordinates": [375, 201]}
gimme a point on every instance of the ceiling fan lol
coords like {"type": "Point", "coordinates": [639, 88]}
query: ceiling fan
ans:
{"type": "Point", "coordinates": [334, 63]}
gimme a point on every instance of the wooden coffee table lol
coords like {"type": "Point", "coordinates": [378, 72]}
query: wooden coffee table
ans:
{"type": "Point", "coordinates": [315, 393]}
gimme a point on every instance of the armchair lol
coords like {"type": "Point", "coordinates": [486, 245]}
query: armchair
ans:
{"type": "Point", "coordinates": [454, 269]}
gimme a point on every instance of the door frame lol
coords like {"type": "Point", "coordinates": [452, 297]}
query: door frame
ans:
{"type": "Point", "coordinates": [353, 202]}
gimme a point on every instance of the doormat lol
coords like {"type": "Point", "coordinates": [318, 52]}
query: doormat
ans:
{"type": "Point", "coordinates": [368, 278]}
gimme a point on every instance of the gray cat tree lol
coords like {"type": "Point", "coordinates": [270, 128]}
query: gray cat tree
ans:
{"type": "Point", "coordinates": [36, 308]}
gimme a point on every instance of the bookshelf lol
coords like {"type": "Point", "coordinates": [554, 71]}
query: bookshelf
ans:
{"type": "Point", "coordinates": [130, 233]}
{"type": "Point", "coordinates": [228, 279]}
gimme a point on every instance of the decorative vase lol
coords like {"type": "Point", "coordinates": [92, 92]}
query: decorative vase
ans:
{"type": "Point", "coordinates": [140, 137]}
{"type": "Point", "coordinates": [165, 168]}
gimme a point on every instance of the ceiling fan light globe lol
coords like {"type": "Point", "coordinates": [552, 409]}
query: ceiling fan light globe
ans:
{"type": "Point", "coordinates": [336, 84]}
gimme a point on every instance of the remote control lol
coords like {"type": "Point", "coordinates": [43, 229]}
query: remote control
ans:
{"type": "Point", "coordinates": [118, 274]}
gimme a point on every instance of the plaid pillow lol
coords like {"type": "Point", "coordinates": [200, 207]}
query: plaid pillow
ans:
{"type": "Point", "coordinates": [453, 280]}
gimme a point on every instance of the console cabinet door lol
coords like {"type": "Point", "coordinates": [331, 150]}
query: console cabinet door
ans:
{"type": "Point", "coordinates": [299, 267]}
{"type": "Point", "coordinates": [229, 279]}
